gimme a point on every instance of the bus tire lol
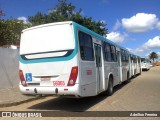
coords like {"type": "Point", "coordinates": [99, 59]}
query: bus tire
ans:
{"type": "Point", "coordinates": [110, 86]}
{"type": "Point", "coordinates": [140, 72]}
{"type": "Point", "coordinates": [134, 74]}
{"type": "Point", "coordinates": [128, 76]}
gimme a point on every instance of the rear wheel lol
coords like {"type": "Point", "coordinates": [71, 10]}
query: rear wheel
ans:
{"type": "Point", "coordinates": [140, 71]}
{"type": "Point", "coordinates": [110, 87]}
{"type": "Point", "coordinates": [134, 74]}
{"type": "Point", "coordinates": [128, 75]}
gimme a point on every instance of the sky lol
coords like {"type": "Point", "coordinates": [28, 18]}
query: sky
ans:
{"type": "Point", "coordinates": [133, 24]}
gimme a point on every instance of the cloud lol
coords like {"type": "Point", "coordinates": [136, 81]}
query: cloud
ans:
{"type": "Point", "coordinates": [138, 50]}
{"type": "Point", "coordinates": [24, 19]}
{"type": "Point", "coordinates": [147, 55]}
{"type": "Point", "coordinates": [158, 53]}
{"type": "Point", "coordinates": [158, 25]}
{"type": "Point", "coordinates": [129, 49]}
{"type": "Point", "coordinates": [117, 25]}
{"type": "Point", "coordinates": [116, 37]}
{"type": "Point", "coordinates": [141, 22]}
{"type": "Point", "coordinates": [150, 45]}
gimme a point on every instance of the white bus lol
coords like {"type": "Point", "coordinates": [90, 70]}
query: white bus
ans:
{"type": "Point", "coordinates": [66, 58]}
{"type": "Point", "coordinates": [145, 64]}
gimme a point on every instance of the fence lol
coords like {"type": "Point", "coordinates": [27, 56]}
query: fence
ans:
{"type": "Point", "coordinates": [9, 76]}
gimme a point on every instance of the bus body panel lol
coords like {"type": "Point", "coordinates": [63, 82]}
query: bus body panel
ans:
{"type": "Point", "coordinates": [87, 75]}
{"type": "Point", "coordinates": [111, 68]}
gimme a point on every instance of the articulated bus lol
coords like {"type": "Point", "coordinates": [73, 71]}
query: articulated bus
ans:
{"type": "Point", "coordinates": [65, 58]}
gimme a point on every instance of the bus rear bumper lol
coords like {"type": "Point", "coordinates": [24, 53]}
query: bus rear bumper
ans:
{"type": "Point", "coordinates": [41, 90]}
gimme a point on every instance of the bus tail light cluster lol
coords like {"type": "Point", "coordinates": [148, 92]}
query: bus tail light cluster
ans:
{"type": "Point", "coordinates": [73, 76]}
{"type": "Point", "coordinates": [23, 82]}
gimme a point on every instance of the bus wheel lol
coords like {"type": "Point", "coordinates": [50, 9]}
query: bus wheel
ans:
{"type": "Point", "coordinates": [140, 71]}
{"type": "Point", "coordinates": [128, 76]}
{"type": "Point", "coordinates": [110, 87]}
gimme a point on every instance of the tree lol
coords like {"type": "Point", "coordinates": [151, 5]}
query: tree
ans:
{"type": "Point", "coordinates": [153, 56]}
{"type": "Point", "coordinates": [64, 11]}
{"type": "Point", "coordinates": [10, 31]}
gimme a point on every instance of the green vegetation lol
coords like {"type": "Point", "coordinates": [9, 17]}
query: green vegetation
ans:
{"type": "Point", "coordinates": [10, 31]}
{"type": "Point", "coordinates": [153, 56]}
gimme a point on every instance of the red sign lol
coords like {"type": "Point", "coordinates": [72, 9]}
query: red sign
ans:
{"type": "Point", "coordinates": [89, 72]}
{"type": "Point", "coordinates": [58, 83]}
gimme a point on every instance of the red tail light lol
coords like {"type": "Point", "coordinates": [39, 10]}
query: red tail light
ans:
{"type": "Point", "coordinates": [23, 82]}
{"type": "Point", "coordinates": [73, 76]}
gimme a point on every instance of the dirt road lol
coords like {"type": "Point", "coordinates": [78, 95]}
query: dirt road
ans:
{"type": "Point", "coordinates": [140, 94]}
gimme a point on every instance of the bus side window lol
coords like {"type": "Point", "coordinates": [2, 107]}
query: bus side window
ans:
{"type": "Point", "coordinates": [86, 46]}
{"type": "Point", "coordinates": [113, 53]}
{"type": "Point", "coordinates": [123, 55]}
{"type": "Point", "coordinates": [127, 56]}
{"type": "Point", "coordinates": [107, 52]}
{"type": "Point", "coordinates": [134, 59]}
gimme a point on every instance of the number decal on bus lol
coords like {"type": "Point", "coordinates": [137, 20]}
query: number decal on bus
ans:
{"type": "Point", "coordinates": [58, 83]}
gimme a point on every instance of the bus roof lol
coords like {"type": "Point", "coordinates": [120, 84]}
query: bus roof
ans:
{"type": "Point", "coordinates": [46, 25]}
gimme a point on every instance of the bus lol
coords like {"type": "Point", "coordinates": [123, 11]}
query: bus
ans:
{"type": "Point", "coordinates": [145, 64]}
{"type": "Point", "coordinates": [67, 59]}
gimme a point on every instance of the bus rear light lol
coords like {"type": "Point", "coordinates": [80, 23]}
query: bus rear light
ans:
{"type": "Point", "coordinates": [22, 79]}
{"type": "Point", "coordinates": [73, 76]}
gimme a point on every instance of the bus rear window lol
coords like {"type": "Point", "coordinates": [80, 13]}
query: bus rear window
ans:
{"type": "Point", "coordinates": [50, 38]}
